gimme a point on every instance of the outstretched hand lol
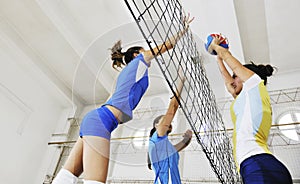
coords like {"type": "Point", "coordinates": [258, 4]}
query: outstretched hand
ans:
{"type": "Point", "coordinates": [218, 39]}
{"type": "Point", "coordinates": [170, 42]}
{"type": "Point", "coordinates": [188, 135]}
{"type": "Point", "coordinates": [187, 20]}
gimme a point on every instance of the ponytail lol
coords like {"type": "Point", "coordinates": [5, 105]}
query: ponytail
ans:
{"type": "Point", "coordinates": [119, 57]}
{"type": "Point", "coordinates": [152, 131]}
{"type": "Point", "coordinates": [263, 71]}
{"type": "Point", "coordinates": [156, 120]}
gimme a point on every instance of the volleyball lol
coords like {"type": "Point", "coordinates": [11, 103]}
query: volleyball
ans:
{"type": "Point", "coordinates": [209, 40]}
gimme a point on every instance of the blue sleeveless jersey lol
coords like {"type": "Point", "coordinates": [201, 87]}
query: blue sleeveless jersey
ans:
{"type": "Point", "coordinates": [164, 159]}
{"type": "Point", "coordinates": [131, 85]}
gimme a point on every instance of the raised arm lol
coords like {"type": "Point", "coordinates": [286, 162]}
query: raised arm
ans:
{"type": "Point", "coordinates": [238, 69]}
{"type": "Point", "coordinates": [228, 80]}
{"type": "Point", "coordinates": [169, 44]}
{"type": "Point", "coordinates": [185, 141]}
{"type": "Point", "coordinates": [166, 121]}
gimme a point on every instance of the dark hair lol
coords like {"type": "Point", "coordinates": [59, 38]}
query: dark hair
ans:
{"type": "Point", "coordinates": [129, 54]}
{"type": "Point", "coordinates": [117, 54]}
{"type": "Point", "coordinates": [156, 120]}
{"type": "Point", "coordinates": [263, 71]}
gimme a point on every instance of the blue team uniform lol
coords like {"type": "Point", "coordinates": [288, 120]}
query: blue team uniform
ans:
{"type": "Point", "coordinates": [131, 85]}
{"type": "Point", "coordinates": [164, 158]}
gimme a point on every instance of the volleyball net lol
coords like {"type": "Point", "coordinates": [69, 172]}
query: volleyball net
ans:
{"type": "Point", "coordinates": [159, 20]}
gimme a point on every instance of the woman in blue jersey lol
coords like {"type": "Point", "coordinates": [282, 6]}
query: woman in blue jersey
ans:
{"type": "Point", "coordinates": [90, 153]}
{"type": "Point", "coordinates": [162, 155]}
{"type": "Point", "coordinates": [251, 113]}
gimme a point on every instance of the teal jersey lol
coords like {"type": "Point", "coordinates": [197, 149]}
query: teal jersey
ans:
{"type": "Point", "coordinates": [164, 159]}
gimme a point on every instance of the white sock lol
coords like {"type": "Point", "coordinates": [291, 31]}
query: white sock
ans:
{"type": "Point", "coordinates": [65, 177]}
{"type": "Point", "coordinates": [92, 182]}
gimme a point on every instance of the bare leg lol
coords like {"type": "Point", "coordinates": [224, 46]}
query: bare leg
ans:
{"type": "Point", "coordinates": [73, 166]}
{"type": "Point", "coordinates": [74, 161]}
{"type": "Point", "coordinates": [95, 158]}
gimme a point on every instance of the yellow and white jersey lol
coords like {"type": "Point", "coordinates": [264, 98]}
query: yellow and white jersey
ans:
{"type": "Point", "coordinates": [251, 114]}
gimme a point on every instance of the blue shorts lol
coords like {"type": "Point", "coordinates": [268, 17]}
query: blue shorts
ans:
{"type": "Point", "coordinates": [99, 122]}
{"type": "Point", "coordinates": [264, 169]}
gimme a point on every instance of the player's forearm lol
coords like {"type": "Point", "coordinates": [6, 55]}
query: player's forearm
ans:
{"type": "Point", "coordinates": [182, 144]}
{"type": "Point", "coordinates": [170, 42]}
{"type": "Point", "coordinates": [234, 64]}
{"type": "Point", "coordinates": [223, 70]}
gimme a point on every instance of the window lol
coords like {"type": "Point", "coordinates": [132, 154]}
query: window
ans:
{"type": "Point", "coordinates": [288, 125]}
{"type": "Point", "coordinates": [141, 138]}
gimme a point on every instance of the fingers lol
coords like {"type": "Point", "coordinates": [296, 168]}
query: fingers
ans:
{"type": "Point", "coordinates": [222, 38]}
{"type": "Point", "coordinates": [190, 20]}
{"type": "Point", "coordinates": [187, 20]}
{"type": "Point", "coordinates": [188, 133]}
{"type": "Point", "coordinates": [219, 38]}
{"type": "Point", "coordinates": [187, 17]}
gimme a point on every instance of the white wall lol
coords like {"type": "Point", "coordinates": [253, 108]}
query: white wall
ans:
{"type": "Point", "coordinates": [30, 108]}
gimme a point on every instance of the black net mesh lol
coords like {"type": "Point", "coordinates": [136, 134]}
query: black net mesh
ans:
{"type": "Point", "coordinates": [159, 20]}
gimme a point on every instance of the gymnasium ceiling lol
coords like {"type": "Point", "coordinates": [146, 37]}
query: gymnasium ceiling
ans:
{"type": "Point", "coordinates": [68, 40]}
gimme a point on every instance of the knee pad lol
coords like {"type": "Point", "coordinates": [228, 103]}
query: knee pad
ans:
{"type": "Point", "coordinates": [65, 177]}
{"type": "Point", "coordinates": [92, 182]}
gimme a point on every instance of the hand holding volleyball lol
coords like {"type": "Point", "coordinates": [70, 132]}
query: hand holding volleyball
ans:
{"type": "Point", "coordinates": [217, 39]}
